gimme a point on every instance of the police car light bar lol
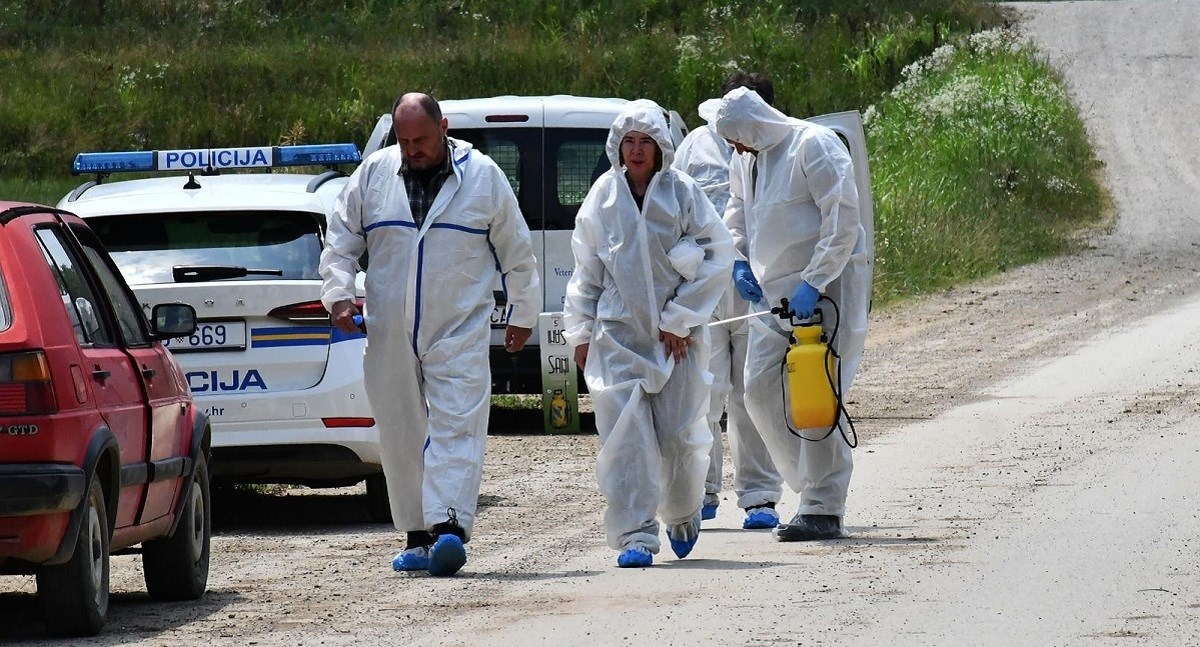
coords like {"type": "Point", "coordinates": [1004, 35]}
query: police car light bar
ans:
{"type": "Point", "coordinates": [216, 159]}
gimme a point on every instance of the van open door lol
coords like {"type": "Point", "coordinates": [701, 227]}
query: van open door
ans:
{"type": "Point", "coordinates": [379, 135]}
{"type": "Point", "coordinates": [848, 126]}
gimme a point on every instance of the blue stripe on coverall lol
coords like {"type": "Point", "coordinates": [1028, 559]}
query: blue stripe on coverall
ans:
{"type": "Point", "coordinates": [420, 272]}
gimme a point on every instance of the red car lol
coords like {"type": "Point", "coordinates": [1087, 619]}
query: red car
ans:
{"type": "Point", "coordinates": [101, 448]}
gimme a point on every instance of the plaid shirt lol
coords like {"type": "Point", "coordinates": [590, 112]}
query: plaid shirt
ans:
{"type": "Point", "coordinates": [420, 194]}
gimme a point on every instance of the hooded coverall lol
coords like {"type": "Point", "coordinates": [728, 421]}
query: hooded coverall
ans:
{"type": "Point", "coordinates": [706, 157]}
{"type": "Point", "coordinates": [429, 302]}
{"type": "Point", "coordinates": [650, 409]}
{"type": "Point", "coordinates": [793, 213]}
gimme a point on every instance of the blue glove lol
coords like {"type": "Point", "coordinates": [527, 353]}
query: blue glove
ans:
{"type": "Point", "coordinates": [746, 284]}
{"type": "Point", "coordinates": [804, 300]}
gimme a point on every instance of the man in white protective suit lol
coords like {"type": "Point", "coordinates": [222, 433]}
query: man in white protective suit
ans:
{"type": "Point", "coordinates": [651, 261]}
{"type": "Point", "coordinates": [439, 220]}
{"type": "Point", "coordinates": [793, 212]}
{"type": "Point", "coordinates": [706, 157]}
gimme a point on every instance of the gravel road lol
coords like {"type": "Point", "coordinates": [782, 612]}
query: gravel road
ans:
{"type": "Point", "coordinates": [1026, 475]}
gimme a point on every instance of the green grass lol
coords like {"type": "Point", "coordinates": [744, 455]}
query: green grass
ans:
{"type": "Point", "coordinates": [517, 401]}
{"type": "Point", "coordinates": [41, 191]}
{"type": "Point", "coordinates": [979, 162]}
{"type": "Point", "coordinates": [137, 74]}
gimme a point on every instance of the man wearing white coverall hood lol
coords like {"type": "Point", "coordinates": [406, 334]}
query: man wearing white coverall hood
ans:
{"type": "Point", "coordinates": [652, 259]}
{"type": "Point", "coordinates": [441, 225]}
{"type": "Point", "coordinates": [793, 212]}
{"type": "Point", "coordinates": [705, 156]}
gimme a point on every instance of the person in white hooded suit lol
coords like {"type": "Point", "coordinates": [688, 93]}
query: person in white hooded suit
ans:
{"type": "Point", "coordinates": [652, 259]}
{"type": "Point", "coordinates": [706, 157]}
{"type": "Point", "coordinates": [793, 212]}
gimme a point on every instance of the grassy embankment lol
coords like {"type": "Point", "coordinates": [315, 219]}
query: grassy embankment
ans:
{"type": "Point", "coordinates": [978, 160]}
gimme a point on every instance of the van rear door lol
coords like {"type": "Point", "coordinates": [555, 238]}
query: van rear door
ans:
{"type": "Point", "coordinates": [511, 133]}
{"type": "Point", "coordinates": [848, 126]}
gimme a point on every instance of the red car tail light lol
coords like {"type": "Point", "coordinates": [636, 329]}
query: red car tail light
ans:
{"type": "Point", "coordinates": [25, 387]}
{"type": "Point", "coordinates": [307, 312]}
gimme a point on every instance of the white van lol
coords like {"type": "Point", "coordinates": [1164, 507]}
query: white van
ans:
{"type": "Point", "coordinates": [552, 149]}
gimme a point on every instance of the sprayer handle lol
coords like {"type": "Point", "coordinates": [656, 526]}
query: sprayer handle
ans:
{"type": "Point", "coordinates": [783, 310]}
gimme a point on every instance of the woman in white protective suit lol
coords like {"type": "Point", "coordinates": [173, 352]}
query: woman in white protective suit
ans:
{"type": "Point", "coordinates": [651, 261]}
{"type": "Point", "coordinates": [793, 213]}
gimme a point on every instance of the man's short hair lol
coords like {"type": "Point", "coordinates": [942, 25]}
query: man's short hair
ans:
{"type": "Point", "coordinates": [750, 80]}
{"type": "Point", "coordinates": [427, 103]}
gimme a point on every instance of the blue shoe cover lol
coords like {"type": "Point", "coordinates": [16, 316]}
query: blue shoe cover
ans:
{"type": "Point", "coordinates": [758, 518]}
{"type": "Point", "coordinates": [682, 548]}
{"type": "Point", "coordinates": [635, 557]}
{"type": "Point", "coordinates": [447, 555]}
{"type": "Point", "coordinates": [708, 512]}
{"type": "Point", "coordinates": [688, 533]}
{"type": "Point", "coordinates": [411, 559]}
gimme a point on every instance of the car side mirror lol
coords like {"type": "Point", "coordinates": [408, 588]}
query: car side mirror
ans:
{"type": "Point", "coordinates": [171, 320]}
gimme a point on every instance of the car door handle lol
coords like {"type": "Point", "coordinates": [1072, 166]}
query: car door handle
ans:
{"type": "Point", "coordinates": [148, 372]}
{"type": "Point", "coordinates": [101, 374]}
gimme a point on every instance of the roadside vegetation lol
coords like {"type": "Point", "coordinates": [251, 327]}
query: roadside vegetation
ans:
{"type": "Point", "coordinates": [979, 162]}
{"type": "Point", "coordinates": [978, 159]}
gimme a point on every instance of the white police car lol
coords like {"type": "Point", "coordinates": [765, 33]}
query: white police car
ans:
{"type": "Point", "coordinates": [284, 390]}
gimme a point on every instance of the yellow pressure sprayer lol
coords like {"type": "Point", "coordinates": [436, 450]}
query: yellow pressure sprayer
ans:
{"type": "Point", "coordinates": [811, 373]}
{"type": "Point", "coordinates": [812, 400]}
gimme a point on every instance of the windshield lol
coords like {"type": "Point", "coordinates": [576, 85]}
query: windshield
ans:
{"type": "Point", "coordinates": [147, 246]}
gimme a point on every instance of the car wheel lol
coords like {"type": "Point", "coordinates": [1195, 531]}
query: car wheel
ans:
{"type": "Point", "coordinates": [377, 499]}
{"type": "Point", "coordinates": [74, 596]}
{"type": "Point", "coordinates": [176, 567]}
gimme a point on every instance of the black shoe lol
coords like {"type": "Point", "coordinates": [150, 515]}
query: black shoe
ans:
{"type": "Point", "coordinates": [808, 527]}
{"type": "Point", "coordinates": [448, 527]}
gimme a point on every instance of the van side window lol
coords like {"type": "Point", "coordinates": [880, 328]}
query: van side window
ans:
{"type": "Point", "coordinates": [506, 155]}
{"type": "Point", "coordinates": [580, 158]}
{"type": "Point", "coordinates": [580, 164]}
{"type": "Point", "coordinates": [515, 151]}
{"type": "Point", "coordinates": [551, 173]}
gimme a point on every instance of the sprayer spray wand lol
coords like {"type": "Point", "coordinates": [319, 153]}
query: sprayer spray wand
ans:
{"type": "Point", "coordinates": [782, 310]}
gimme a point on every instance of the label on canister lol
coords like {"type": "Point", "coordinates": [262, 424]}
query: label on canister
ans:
{"type": "Point", "coordinates": [560, 397]}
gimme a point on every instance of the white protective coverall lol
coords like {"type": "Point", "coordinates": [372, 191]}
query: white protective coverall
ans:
{"type": "Point", "coordinates": [798, 222]}
{"type": "Point", "coordinates": [650, 409]}
{"type": "Point", "coordinates": [429, 302]}
{"type": "Point", "coordinates": [706, 157]}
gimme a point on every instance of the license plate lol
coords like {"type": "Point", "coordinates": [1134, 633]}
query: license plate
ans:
{"type": "Point", "coordinates": [214, 335]}
{"type": "Point", "coordinates": [500, 317]}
